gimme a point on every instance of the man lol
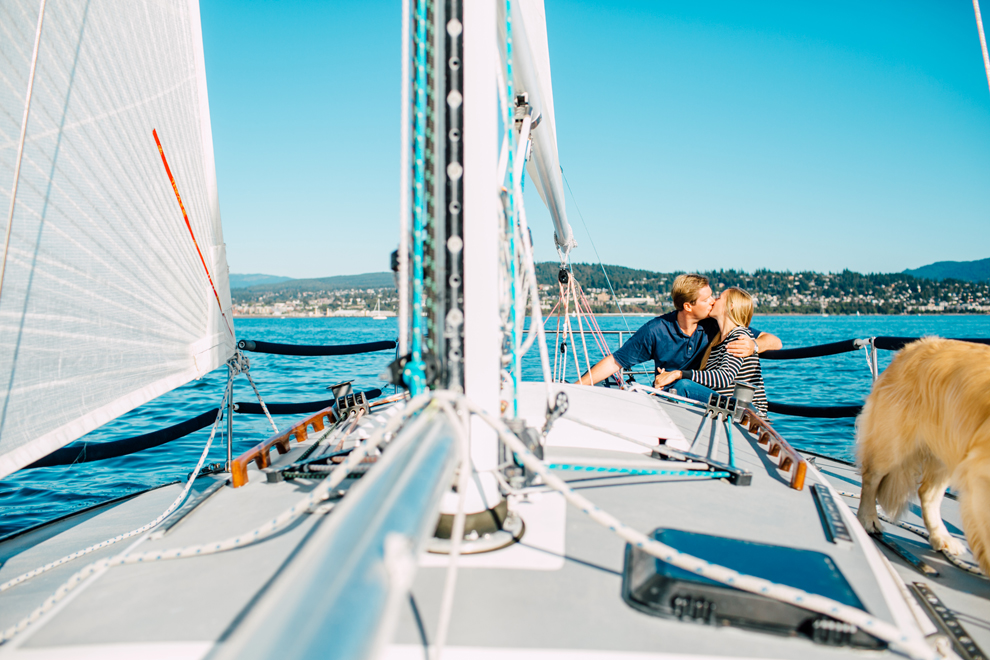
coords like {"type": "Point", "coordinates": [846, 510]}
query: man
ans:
{"type": "Point", "coordinates": [678, 339]}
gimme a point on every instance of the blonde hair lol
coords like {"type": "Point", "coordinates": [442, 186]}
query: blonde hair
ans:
{"type": "Point", "coordinates": [738, 306]}
{"type": "Point", "coordinates": [739, 310]}
{"type": "Point", "coordinates": [685, 289]}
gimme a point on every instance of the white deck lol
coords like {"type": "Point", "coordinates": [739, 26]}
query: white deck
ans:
{"type": "Point", "coordinates": [555, 595]}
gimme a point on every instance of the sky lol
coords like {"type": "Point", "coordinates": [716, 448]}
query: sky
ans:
{"type": "Point", "coordinates": [694, 136]}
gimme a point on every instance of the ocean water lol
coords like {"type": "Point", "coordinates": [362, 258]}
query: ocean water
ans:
{"type": "Point", "coordinates": [34, 496]}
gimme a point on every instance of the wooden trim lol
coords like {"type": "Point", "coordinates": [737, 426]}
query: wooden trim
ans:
{"type": "Point", "coordinates": [789, 459]}
{"type": "Point", "coordinates": [260, 453]}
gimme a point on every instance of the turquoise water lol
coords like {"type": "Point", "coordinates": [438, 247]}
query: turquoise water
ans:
{"type": "Point", "coordinates": [33, 496]}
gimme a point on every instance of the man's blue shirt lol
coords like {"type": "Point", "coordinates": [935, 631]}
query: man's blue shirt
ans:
{"type": "Point", "coordinates": [663, 341]}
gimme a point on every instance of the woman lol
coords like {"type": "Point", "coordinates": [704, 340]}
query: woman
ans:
{"type": "Point", "coordinates": [733, 310]}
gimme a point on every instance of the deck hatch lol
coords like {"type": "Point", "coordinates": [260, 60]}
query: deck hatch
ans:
{"type": "Point", "coordinates": [658, 588]}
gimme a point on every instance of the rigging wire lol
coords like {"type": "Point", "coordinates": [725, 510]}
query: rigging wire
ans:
{"type": "Point", "coordinates": [593, 247]}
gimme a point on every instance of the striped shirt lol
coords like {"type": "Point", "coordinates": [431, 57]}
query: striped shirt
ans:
{"type": "Point", "coordinates": [724, 370]}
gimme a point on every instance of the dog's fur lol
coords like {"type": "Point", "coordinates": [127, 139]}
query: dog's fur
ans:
{"type": "Point", "coordinates": [928, 420]}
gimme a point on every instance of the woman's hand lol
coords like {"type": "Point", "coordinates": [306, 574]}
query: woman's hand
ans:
{"type": "Point", "coordinates": [664, 378]}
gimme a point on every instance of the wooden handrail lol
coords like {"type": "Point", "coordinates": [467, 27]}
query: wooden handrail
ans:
{"type": "Point", "coordinates": [791, 461]}
{"type": "Point", "coordinates": [260, 453]}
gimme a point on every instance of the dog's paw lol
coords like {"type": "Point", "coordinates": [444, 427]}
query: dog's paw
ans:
{"type": "Point", "coordinates": [945, 542]}
{"type": "Point", "coordinates": [869, 521]}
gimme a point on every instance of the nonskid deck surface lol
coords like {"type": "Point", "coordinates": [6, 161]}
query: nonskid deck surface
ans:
{"type": "Point", "coordinates": [578, 606]}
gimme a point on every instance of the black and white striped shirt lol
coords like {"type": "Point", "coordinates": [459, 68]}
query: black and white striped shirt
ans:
{"type": "Point", "coordinates": [724, 370]}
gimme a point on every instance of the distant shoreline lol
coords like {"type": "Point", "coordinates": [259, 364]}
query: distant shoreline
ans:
{"type": "Point", "coordinates": [641, 315]}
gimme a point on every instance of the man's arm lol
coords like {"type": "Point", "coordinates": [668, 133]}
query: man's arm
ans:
{"type": "Point", "coordinates": [743, 347]}
{"type": "Point", "coordinates": [768, 342]}
{"type": "Point", "coordinates": [605, 368]}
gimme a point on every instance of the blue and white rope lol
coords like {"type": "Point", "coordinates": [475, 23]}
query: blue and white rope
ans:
{"type": "Point", "coordinates": [414, 373]}
{"type": "Point", "coordinates": [638, 472]}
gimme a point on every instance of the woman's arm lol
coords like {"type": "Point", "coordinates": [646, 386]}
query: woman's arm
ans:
{"type": "Point", "coordinates": [725, 375]}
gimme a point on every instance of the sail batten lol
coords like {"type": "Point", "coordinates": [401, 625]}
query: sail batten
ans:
{"type": "Point", "coordinates": [107, 302]}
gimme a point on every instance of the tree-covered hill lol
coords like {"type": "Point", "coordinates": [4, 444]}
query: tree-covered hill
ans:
{"type": "Point", "coordinates": [846, 292]}
{"type": "Point", "coordinates": [971, 271]}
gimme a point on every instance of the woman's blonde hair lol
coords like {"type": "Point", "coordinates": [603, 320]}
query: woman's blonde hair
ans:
{"type": "Point", "coordinates": [739, 310]}
{"type": "Point", "coordinates": [738, 306]}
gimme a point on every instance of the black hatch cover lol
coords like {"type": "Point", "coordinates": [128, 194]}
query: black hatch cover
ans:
{"type": "Point", "coordinates": [658, 588]}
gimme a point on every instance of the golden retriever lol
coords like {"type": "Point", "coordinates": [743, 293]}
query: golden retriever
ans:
{"type": "Point", "coordinates": [928, 420]}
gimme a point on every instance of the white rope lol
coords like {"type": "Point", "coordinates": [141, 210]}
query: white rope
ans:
{"type": "Point", "coordinates": [258, 394]}
{"type": "Point", "coordinates": [134, 532]}
{"type": "Point", "coordinates": [536, 316]}
{"type": "Point", "coordinates": [456, 533]}
{"type": "Point", "coordinates": [639, 387]}
{"type": "Point", "coordinates": [871, 357]}
{"type": "Point", "coordinates": [602, 429]}
{"type": "Point", "coordinates": [961, 564]}
{"type": "Point", "coordinates": [911, 644]}
{"type": "Point", "coordinates": [320, 493]}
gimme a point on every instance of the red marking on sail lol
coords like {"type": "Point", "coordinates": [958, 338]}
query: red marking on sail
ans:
{"type": "Point", "coordinates": [185, 217]}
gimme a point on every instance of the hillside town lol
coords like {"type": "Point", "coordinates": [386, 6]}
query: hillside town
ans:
{"type": "Point", "coordinates": [345, 302]}
{"type": "Point", "coordinates": [647, 292]}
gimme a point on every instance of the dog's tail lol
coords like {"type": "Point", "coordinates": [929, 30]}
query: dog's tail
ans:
{"type": "Point", "coordinates": [897, 487]}
{"type": "Point", "coordinates": [973, 481]}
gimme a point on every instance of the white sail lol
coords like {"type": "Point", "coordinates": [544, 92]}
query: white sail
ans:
{"type": "Point", "coordinates": [531, 68]}
{"type": "Point", "coordinates": [105, 301]}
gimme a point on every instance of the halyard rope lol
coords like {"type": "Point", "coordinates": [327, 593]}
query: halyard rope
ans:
{"type": "Point", "coordinates": [456, 533]}
{"type": "Point", "coordinates": [134, 532]}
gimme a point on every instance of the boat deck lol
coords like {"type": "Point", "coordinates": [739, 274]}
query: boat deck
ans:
{"type": "Point", "coordinates": [168, 608]}
{"type": "Point", "coordinates": [557, 593]}
{"type": "Point", "coordinates": [577, 606]}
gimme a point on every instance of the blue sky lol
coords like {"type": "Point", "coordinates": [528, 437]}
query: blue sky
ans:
{"type": "Point", "coordinates": [782, 135]}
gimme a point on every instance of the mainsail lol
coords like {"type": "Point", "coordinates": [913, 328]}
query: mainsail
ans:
{"type": "Point", "coordinates": [531, 68]}
{"type": "Point", "coordinates": [105, 302]}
